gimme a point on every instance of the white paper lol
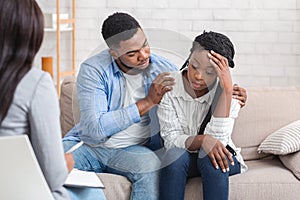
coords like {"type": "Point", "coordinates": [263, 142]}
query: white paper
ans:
{"type": "Point", "coordinates": [79, 178]}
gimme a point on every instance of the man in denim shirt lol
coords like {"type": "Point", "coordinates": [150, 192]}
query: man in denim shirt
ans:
{"type": "Point", "coordinates": [116, 90]}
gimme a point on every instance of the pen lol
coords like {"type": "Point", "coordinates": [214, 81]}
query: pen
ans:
{"type": "Point", "coordinates": [76, 146]}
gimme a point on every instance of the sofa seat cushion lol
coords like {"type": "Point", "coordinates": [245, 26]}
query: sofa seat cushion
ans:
{"type": "Point", "coordinates": [265, 179]}
{"type": "Point", "coordinates": [116, 186]}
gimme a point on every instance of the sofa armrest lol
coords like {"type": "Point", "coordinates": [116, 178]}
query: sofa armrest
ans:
{"type": "Point", "coordinates": [69, 109]}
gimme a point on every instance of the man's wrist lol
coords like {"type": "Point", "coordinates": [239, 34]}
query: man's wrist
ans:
{"type": "Point", "coordinates": [144, 105]}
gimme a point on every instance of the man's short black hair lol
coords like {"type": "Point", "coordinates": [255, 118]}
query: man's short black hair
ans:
{"type": "Point", "coordinates": [217, 42]}
{"type": "Point", "coordinates": [119, 27]}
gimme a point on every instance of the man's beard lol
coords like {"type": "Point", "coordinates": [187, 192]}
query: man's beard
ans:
{"type": "Point", "coordinates": [129, 70]}
{"type": "Point", "coordinates": [125, 66]}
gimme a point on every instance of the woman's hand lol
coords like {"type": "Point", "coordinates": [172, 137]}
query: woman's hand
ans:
{"type": "Point", "coordinates": [222, 68]}
{"type": "Point", "coordinates": [70, 161]}
{"type": "Point", "coordinates": [217, 153]}
{"type": "Point", "coordinates": [220, 63]}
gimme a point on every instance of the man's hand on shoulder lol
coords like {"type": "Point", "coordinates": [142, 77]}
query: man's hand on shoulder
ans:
{"type": "Point", "coordinates": [162, 84]}
{"type": "Point", "coordinates": [240, 94]}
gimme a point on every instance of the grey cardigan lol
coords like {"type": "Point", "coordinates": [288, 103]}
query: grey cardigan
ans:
{"type": "Point", "coordinates": [35, 112]}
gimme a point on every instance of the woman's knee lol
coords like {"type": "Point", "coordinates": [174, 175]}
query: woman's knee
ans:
{"type": "Point", "coordinates": [207, 169]}
{"type": "Point", "coordinates": [176, 159]}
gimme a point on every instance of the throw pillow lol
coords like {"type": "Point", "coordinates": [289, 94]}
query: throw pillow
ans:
{"type": "Point", "coordinates": [292, 162]}
{"type": "Point", "coordinates": [283, 141]}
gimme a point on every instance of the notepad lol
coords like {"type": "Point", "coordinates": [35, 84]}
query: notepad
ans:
{"type": "Point", "coordinates": [79, 178]}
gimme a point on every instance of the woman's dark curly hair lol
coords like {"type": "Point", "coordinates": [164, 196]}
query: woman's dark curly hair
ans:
{"type": "Point", "coordinates": [217, 42]}
{"type": "Point", "coordinates": [119, 27]}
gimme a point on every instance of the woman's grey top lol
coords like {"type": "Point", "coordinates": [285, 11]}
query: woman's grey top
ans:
{"type": "Point", "coordinates": [35, 112]}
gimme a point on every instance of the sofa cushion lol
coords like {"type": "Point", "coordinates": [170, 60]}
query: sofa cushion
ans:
{"type": "Point", "coordinates": [292, 162]}
{"type": "Point", "coordinates": [267, 109]}
{"type": "Point", "coordinates": [116, 186]}
{"type": "Point", "coordinates": [259, 182]}
{"type": "Point", "coordinates": [265, 179]}
{"type": "Point", "coordinates": [283, 141]}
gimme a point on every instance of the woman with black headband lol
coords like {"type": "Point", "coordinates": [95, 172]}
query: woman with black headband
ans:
{"type": "Point", "coordinates": [196, 120]}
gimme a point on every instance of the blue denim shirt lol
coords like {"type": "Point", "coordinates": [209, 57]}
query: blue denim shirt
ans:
{"type": "Point", "coordinates": [100, 87]}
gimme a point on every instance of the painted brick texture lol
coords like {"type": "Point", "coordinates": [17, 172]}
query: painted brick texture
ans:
{"type": "Point", "coordinates": [266, 33]}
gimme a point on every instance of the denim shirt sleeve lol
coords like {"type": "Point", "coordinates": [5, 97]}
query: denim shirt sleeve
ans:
{"type": "Point", "coordinates": [98, 119]}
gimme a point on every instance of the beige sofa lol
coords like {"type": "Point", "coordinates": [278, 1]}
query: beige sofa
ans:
{"type": "Point", "coordinates": [267, 110]}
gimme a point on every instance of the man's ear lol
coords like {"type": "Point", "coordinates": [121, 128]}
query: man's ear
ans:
{"type": "Point", "coordinates": [113, 53]}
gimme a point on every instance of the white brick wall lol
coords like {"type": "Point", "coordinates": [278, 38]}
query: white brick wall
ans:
{"type": "Point", "coordinates": [212, 4]}
{"type": "Point", "coordinates": [266, 33]}
{"type": "Point", "coordinates": [121, 3]}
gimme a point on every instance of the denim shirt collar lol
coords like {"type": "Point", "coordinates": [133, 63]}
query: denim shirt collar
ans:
{"type": "Point", "coordinates": [115, 66]}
